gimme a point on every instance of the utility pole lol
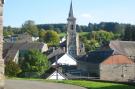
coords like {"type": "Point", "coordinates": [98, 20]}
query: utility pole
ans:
{"type": "Point", "coordinates": [56, 59]}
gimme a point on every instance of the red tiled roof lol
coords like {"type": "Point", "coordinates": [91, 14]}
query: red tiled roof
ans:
{"type": "Point", "coordinates": [118, 59]}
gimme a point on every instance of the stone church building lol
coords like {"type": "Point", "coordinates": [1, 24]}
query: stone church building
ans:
{"type": "Point", "coordinates": [72, 36]}
{"type": "Point", "coordinates": [74, 47]}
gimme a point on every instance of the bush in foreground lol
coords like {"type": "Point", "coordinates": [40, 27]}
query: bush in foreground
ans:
{"type": "Point", "coordinates": [12, 69]}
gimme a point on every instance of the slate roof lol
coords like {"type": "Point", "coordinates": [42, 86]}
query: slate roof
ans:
{"type": "Point", "coordinates": [11, 49]}
{"type": "Point", "coordinates": [23, 46]}
{"type": "Point", "coordinates": [126, 48]}
{"type": "Point", "coordinates": [96, 56]}
{"type": "Point", "coordinates": [48, 72]}
{"type": "Point", "coordinates": [57, 52]}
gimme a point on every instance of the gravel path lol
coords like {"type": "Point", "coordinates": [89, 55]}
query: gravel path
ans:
{"type": "Point", "coordinates": [25, 84]}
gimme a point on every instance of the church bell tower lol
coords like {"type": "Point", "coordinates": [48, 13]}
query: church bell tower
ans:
{"type": "Point", "coordinates": [72, 36]}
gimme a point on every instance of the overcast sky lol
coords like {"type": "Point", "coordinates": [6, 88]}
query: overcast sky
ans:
{"type": "Point", "coordinates": [16, 12]}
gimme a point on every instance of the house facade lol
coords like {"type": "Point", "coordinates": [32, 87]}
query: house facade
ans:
{"type": "Point", "coordinates": [90, 62]}
{"type": "Point", "coordinates": [117, 68]}
{"type": "Point", "coordinates": [113, 64]}
{"type": "Point", "coordinates": [122, 62]}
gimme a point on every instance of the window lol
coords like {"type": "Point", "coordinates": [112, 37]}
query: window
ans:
{"type": "Point", "coordinates": [72, 27]}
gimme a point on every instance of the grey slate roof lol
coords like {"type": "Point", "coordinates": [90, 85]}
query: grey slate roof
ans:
{"type": "Point", "coordinates": [10, 49]}
{"type": "Point", "coordinates": [51, 54]}
{"type": "Point", "coordinates": [96, 56]}
{"type": "Point", "coordinates": [56, 53]}
{"type": "Point", "coordinates": [126, 48]}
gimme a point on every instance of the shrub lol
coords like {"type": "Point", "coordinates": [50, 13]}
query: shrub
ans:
{"type": "Point", "coordinates": [12, 69]}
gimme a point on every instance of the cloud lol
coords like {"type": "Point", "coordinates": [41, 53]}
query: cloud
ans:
{"type": "Point", "coordinates": [86, 15]}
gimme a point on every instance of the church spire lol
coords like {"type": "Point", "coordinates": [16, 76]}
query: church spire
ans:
{"type": "Point", "coordinates": [71, 10]}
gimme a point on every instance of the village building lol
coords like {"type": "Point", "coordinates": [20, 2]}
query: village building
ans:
{"type": "Point", "coordinates": [21, 38]}
{"type": "Point", "coordinates": [72, 36]}
{"type": "Point", "coordinates": [63, 39]}
{"type": "Point", "coordinates": [65, 59]}
{"type": "Point", "coordinates": [57, 75]}
{"type": "Point", "coordinates": [117, 68]}
{"type": "Point", "coordinates": [12, 51]}
{"type": "Point", "coordinates": [116, 63]}
{"type": "Point", "coordinates": [73, 46]}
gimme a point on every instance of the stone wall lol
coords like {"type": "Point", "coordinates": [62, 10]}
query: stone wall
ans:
{"type": "Point", "coordinates": [1, 46]}
{"type": "Point", "coordinates": [117, 72]}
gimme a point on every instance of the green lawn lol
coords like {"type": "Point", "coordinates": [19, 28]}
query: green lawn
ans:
{"type": "Point", "coordinates": [62, 34]}
{"type": "Point", "coordinates": [96, 85]}
{"type": "Point", "coordinates": [81, 34]}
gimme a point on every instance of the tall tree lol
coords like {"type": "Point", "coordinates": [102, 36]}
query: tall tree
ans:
{"type": "Point", "coordinates": [52, 38]}
{"type": "Point", "coordinates": [33, 64]}
{"type": "Point", "coordinates": [30, 27]}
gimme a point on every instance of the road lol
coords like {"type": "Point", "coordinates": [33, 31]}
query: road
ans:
{"type": "Point", "coordinates": [26, 84]}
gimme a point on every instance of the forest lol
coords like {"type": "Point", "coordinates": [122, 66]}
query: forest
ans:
{"type": "Point", "coordinates": [92, 35]}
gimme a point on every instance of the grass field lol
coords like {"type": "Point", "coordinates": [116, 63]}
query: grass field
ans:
{"type": "Point", "coordinates": [62, 34]}
{"type": "Point", "coordinates": [97, 85]}
{"type": "Point", "coordinates": [81, 34]}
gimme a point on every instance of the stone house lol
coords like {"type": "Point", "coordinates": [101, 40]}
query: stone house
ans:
{"type": "Point", "coordinates": [117, 68]}
{"type": "Point", "coordinates": [106, 66]}
{"type": "Point", "coordinates": [12, 51]}
{"type": "Point", "coordinates": [113, 64]}
{"type": "Point", "coordinates": [90, 63]}
{"type": "Point", "coordinates": [121, 65]}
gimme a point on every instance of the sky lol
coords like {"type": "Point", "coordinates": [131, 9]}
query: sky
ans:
{"type": "Point", "coordinates": [16, 12]}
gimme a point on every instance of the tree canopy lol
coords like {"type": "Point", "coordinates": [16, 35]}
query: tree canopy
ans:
{"type": "Point", "coordinates": [51, 37]}
{"type": "Point", "coordinates": [33, 64]}
{"type": "Point", "coordinates": [30, 27]}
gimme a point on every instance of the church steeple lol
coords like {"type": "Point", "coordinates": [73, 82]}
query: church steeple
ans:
{"type": "Point", "coordinates": [72, 37]}
{"type": "Point", "coordinates": [71, 10]}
